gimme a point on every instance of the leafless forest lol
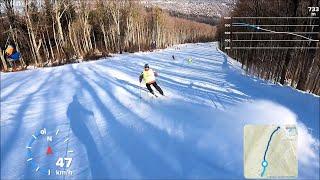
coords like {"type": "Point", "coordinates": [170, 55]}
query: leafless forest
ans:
{"type": "Point", "coordinates": [56, 32]}
{"type": "Point", "coordinates": [299, 68]}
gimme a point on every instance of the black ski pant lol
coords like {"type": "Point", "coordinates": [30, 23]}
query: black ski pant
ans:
{"type": "Point", "coordinates": [154, 85]}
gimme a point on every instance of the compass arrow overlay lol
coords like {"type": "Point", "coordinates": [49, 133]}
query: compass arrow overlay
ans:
{"type": "Point", "coordinates": [49, 150]}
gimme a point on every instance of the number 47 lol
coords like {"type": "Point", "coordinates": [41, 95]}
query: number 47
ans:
{"type": "Point", "coordinates": [61, 162]}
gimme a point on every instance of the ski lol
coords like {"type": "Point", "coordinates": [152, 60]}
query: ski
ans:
{"type": "Point", "coordinates": [155, 95]}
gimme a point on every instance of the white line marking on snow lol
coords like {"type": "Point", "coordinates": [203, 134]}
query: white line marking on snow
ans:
{"type": "Point", "coordinates": [29, 159]}
{"type": "Point", "coordinates": [57, 132]}
{"type": "Point", "coordinates": [38, 168]}
{"type": "Point", "coordinates": [49, 172]}
{"type": "Point", "coordinates": [66, 140]}
{"type": "Point", "coordinates": [28, 147]}
{"type": "Point", "coordinates": [34, 136]}
{"type": "Point", "coordinates": [70, 151]}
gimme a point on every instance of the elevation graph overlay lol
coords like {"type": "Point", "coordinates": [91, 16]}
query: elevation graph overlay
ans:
{"type": "Point", "coordinates": [271, 33]}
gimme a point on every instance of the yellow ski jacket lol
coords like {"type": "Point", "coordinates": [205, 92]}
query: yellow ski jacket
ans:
{"type": "Point", "coordinates": [148, 76]}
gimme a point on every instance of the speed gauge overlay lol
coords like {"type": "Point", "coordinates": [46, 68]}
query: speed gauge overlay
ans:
{"type": "Point", "coordinates": [48, 153]}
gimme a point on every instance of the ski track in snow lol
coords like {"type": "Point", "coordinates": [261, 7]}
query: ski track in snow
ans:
{"type": "Point", "coordinates": [193, 132]}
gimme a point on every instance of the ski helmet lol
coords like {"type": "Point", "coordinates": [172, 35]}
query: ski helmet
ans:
{"type": "Point", "coordinates": [146, 66]}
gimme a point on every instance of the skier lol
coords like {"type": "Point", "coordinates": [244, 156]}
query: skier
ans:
{"type": "Point", "coordinates": [12, 55]}
{"type": "Point", "coordinates": [189, 60]}
{"type": "Point", "coordinates": [173, 58]}
{"type": "Point", "coordinates": [149, 76]}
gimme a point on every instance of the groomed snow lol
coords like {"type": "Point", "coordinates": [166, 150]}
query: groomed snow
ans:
{"type": "Point", "coordinates": [194, 132]}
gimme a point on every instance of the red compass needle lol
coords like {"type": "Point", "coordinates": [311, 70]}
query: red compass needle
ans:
{"type": "Point", "coordinates": [49, 150]}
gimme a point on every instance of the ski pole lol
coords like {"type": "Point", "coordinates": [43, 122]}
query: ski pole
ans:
{"type": "Point", "coordinates": [140, 90]}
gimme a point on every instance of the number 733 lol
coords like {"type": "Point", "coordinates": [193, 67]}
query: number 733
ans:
{"type": "Point", "coordinates": [313, 9]}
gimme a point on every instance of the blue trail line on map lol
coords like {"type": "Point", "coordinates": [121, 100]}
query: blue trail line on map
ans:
{"type": "Point", "coordinates": [264, 162]}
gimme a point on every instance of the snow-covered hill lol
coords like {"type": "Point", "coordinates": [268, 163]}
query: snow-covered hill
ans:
{"type": "Point", "coordinates": [210, 8]}
{"type": "Point", "coordinates": [95, 114]}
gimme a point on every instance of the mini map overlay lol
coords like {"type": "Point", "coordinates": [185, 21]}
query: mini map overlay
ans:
{"type": "Point", "coordinates": [270, 151]}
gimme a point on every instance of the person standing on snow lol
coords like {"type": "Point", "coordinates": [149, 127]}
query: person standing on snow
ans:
{"type": "Point", "coordinates": [189, 60]}
{"type": "Point", "coordinates": [149, 76]}
{"type": "Point", "coordinates": [12, 56]}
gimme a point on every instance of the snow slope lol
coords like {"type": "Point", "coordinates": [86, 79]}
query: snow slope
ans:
{"type": "Point", "coordinates": [194, 132]}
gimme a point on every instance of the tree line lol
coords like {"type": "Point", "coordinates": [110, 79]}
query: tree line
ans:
{"type": "Point", "coordinates": [297, 67]}
{"type": "Point", "coordinates": [56, 32]}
